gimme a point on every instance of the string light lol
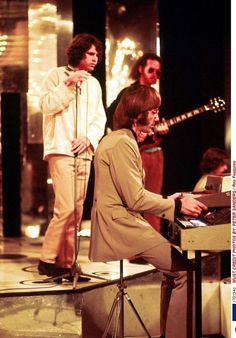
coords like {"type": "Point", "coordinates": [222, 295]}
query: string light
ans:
{"type": "Point", "coordinates": [117, 71]}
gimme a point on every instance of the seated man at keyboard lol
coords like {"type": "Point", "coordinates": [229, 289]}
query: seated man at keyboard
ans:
{"type": "Point", "coordinates": [118, 228]}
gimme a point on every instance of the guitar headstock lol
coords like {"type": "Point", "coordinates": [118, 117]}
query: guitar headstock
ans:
{"type": "Point", "coordinates": [217, 105]}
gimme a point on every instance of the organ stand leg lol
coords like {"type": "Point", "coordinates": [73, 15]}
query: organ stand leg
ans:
{"type": "Point", "coordinates": [198, 293]}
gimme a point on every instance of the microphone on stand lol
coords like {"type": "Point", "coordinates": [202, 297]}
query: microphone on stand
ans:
{"type": "Point", "coordinates": [78, 86]}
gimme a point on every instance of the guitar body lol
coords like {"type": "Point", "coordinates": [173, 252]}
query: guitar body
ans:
{"type": "Point", "coordinates": [153, 165]}
{"type": "Point", "coordinates": [156, 141]}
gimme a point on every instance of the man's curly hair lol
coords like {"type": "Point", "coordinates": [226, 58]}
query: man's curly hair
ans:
{"type": "Point", "coordinates": [80, 44]}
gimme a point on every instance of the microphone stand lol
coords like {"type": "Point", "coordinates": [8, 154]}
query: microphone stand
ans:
{"type": "Point", "coordinates": [76, 270]}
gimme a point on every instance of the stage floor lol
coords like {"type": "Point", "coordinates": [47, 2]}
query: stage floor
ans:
{"type": "Point", "coordinates": [32, 307]}
{"type": "Point", "coordinates": [18, 268]}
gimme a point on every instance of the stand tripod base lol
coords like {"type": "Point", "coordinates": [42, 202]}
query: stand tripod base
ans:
{"type": "Point", "coordinates": [117, 309]}
{"type": "Point", "coordinates": [59, 279]}
{"type": "Point", "coordinates": [75, 275]}
{"type": "Point", "coordinates": [69, 278]}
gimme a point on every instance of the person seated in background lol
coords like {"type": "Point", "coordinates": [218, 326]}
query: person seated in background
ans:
{"type": "Point", "coordinates": [118, 228]}
{"type": "Point", "coordinates": [214, 161]}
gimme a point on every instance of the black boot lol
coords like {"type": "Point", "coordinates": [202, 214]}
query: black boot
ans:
{"type": "Point", "coordinates": [48, 269]}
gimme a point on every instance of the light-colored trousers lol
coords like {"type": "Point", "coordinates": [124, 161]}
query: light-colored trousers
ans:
{"type": "Point", "coordinates": [176, 306]}
{"type": "Point", "coordinates": [59, 241]}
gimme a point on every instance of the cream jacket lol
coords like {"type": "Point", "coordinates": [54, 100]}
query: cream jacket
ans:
{"type": "Point", "coordinates": [118, 229]}
{"type": "Point", "coordinates": [58, 105]}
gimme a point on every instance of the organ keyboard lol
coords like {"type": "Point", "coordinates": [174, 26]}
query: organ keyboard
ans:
{"type": "Point", "coordinates": [193, 234]}
{"type": "Point", "coordinates": [211, 232]}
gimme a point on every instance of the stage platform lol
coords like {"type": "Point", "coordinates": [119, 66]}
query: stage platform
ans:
{"type": "Point", "coordinates": [32, 307]}
{"type": "Point", "coordinates": [19, 276]}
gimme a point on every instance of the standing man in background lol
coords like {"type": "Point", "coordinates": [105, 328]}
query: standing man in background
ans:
{"type": "Point", "coordinates": [73, 123]}
{"type": "Point", "coordinates": [147, 71]}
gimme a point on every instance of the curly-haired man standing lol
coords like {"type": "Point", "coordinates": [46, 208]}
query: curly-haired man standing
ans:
{"type": "Point", "coordinates": [73, 123]}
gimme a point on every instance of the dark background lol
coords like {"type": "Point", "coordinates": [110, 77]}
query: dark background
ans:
{"type": "Point", "coordinates": [195, 52]}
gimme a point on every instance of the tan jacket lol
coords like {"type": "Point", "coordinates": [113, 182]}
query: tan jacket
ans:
{"type": "Point", "coordinates": [58, 105]}
{"type": "Point", "coordinates": [118, 229]}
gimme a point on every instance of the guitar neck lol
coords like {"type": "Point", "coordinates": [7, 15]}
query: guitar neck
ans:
{"type": "Point", "coordinates": [213, 105]}
{"type": "Point", "coordinates": [186, 116]}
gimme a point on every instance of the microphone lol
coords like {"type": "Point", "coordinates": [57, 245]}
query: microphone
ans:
{"type": "Point", "coordinates": [69, 82]}
{"type": "Point", "coordinates": [78, 86]}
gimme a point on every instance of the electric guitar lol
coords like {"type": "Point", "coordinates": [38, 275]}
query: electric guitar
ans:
{"type": "Point", "coordinates": [216, 105]}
